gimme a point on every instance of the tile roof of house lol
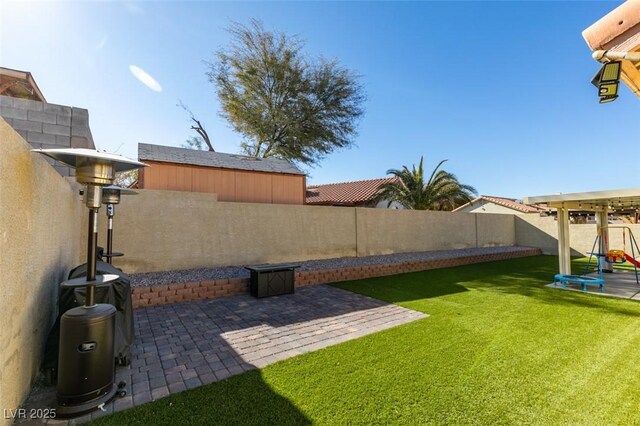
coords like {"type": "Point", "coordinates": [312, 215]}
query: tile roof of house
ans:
{"type": "Point", "coordinates": [607, 31]}
{"type": "Point", "coordinates": [619, 30]}
{"type": "Point", "coordinates": [170, 154]}
{"type": "Point", "coordinates": [511, 203]}
{"type": "Point", "coordinates": [345, 193]}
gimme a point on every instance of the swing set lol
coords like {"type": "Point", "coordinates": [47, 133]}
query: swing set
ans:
{"type": "Point", "coordinates": [614, 257]}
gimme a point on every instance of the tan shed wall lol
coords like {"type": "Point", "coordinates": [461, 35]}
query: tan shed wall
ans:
{"type": "Point", "coordinates": [40, 215]}
{"type": "Point", "coordinates": [230, 185]}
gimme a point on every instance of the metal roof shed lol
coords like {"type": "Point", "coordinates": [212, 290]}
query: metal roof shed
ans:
{"type": "Point", "coordinates": [232, 177]}
{"type": "Point", "coordinates": [600, 202]}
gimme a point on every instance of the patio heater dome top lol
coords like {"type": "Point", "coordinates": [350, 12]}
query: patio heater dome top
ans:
{"type": "Point", "coordinates": [72, 156]}
{"type": "Point", "coordinates": [92, 167]}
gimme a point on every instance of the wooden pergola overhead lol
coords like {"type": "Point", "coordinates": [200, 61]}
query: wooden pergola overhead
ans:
{"type": "Point", "coordinates": [599, 201]}
{"type": "Point", "coordinates": [19, 84]}
{"type": "Point", "coordinates": [619, 30]}
{"type": "Point", "coordinates": [618, 199]}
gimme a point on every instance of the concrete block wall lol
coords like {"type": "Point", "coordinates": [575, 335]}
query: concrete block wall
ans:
{"type": "Point", "coordinates": [46, 125]}
{"type": "Point", "coordinates": [387, 231]}
{"type": "Point", "coordinates": [171, 230]}
{"type": "Point", "coordinates": [542, 232]}
{"type": "Point", "coordinates": [202, 290]}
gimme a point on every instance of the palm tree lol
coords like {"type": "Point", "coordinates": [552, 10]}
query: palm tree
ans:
{"type": "Point", "coordinates": [442, 191]}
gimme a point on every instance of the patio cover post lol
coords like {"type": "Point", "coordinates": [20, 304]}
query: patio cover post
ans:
{"type": "Point", "coordinates": [564, 247]}
{"type": "Point", "coordinates": [602, 220]}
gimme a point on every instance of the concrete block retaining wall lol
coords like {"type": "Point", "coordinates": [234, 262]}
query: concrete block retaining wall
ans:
{"type": "Point", "coordinates": [201, 290]}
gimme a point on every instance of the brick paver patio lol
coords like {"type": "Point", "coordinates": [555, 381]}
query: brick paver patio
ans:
{"type": "Point", "coordinates": [182, 346]}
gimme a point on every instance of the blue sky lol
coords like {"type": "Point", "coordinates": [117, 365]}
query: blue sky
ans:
{"type": "Point", "coordinates": [500, 89]}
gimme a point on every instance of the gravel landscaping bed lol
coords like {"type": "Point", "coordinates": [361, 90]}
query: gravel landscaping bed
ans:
{"type": "Point", "coordinates": [207, 274]}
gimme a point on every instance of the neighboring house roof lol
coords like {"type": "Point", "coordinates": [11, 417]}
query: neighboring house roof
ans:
{"type": "Point", "coordinates": [346, 193]}
{"type": "Point", "coordinates": [511, 203]}
{"type": "Point", "coordinates": [19, 84]}
{"type": "Point", "coordinates": [170, 154]}
{"type": "Point", "coordinates": [619, 30]}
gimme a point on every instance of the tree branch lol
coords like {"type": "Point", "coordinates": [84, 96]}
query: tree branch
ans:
{"type": "Point", "coordinates": [202, 132]}
{"type": "Point", "coordinates": [199, 128]}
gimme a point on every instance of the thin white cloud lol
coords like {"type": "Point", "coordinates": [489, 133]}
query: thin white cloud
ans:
{"type": "Point", "coordinates": [145, 78]}
{"type": "Point", "coordinates": [102, 42]}
{"type": "Point", "coordinates": [134, 8]}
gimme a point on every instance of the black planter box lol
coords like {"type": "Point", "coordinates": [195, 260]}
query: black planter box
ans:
{"type": "Point", "coordinates": [271, 280]}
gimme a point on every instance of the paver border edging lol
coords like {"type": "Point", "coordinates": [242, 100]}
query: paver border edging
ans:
{"type": "Point", "coordinates": [202, 290]}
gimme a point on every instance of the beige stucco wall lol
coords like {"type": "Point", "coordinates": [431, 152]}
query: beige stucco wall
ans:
{"type": "Point", "coordinates": [495, 229]}
{"type": "Point", "coordinates": [542, 232]}
{"type": "Point", "coordinates": [39, 234]}
{"type": "Point", "coordinates": [382, 231]}
{"type": "Point", "coordinates": [536, 231]}
{"type": "Point", "coordinates": [394, 231]}
{"type": "Point", "coordinates": [165, 230]}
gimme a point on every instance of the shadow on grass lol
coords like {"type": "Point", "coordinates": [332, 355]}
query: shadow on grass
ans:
{"type": "Point", "coordinates": [557, 296]}
{"type": "Point", "coordinates": [525, 277]}
{"type": "Point", "coordinates": [245, 399]}
{"type": "Point", "coordinates": [186, 342]}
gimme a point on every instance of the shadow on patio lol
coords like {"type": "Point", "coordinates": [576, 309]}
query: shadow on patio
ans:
{"type": "Point", "coordinates": [183, 346]}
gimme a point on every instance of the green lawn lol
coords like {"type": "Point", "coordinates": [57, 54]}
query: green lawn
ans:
{"type": "Point", "coordinates": [498, 348]}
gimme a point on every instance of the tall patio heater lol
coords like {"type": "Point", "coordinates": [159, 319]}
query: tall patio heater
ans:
{"type": "Point", "coordinates": [86, 368]}
{"type": "Point", "coordinates": [110, 197]}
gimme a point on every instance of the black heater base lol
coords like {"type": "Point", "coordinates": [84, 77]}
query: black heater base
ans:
{"type": "Point", "coordinates": [78, 409]}
{"type": "Point", "coordinates": [86, 370]}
